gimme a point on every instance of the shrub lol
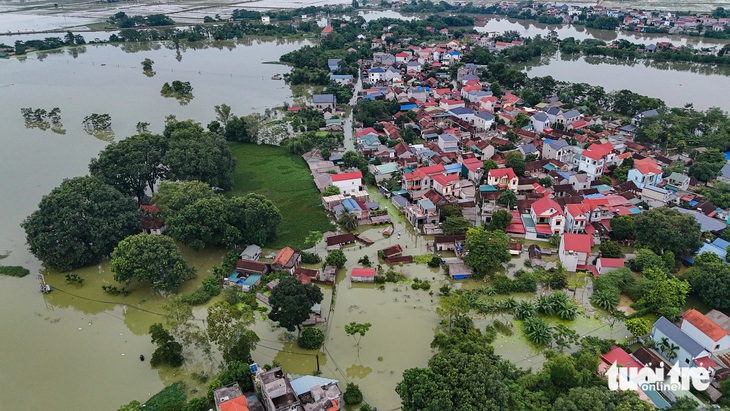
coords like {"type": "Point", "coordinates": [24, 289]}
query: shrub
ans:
{"type": "Point", "coordinates": [502, 284]}
{"type": "Point", "coordinates": [311, 339]}
{"type": "Point", "coordinates": [352, 395]}
{"type": "Point", "coordinates": [435, 262]}
{"type": "Point", "coordinates": [14, 270]}
{"type": "Point", "coordinates": [197, 404]}
{"type": "Point", "coordinates": [310, 258]}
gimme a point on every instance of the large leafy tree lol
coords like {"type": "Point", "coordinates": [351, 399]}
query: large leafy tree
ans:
{"type": "Point", "coordinates": [228, 329]}
{"type": "Point", "coordinates": [456, 381]}
{"type": "Point", "coordinates": [487, 250]}
{"type": "Point", "coordinates": [153, 258]}
{"type": "Point", "coordinates": [710, 279]}
{"type": "Point", "coordinates": [516, 162]}
{"type": "Point", "coordinates": [224, 221]}
{"type": "Point", "coordinates": [132, 165]}
{"type": "Point", "coordinates": [600, 398]}
{"type": "Point", "coordinates": [500, 219]}
{"type": "Point", "coordinates": [79, 223]}
{"type": "Point", "coordinates": [168, 350]}
{"type": "Point", "coordinates": [455, 225]}
{"type": "Point", "coordinates": [291, 302]}
{"type": "Point", "coordinates": [204, 157]}
{"type": "Point", "coordinates": [622, 228]}
{"type": "Point", "coordinates": [665, 229]}
{"type": "Point", "coordinates": [172, 197]}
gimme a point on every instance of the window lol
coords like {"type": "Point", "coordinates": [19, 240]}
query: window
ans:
{"type": "Point", "coordinates": [686, 361]}
{"type": "Point", "coordinates": [717, 347]}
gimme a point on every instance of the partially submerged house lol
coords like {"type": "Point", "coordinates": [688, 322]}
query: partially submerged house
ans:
{"type": "Point", "coordinates": [362, 275]}
{"type": "Point", "coordinates": [286, 260]}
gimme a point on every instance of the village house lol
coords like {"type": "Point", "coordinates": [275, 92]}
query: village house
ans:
{"type": "Point", "coordinates": [322, 102]}
{"type": "Point", "coordinates": [548, 217]}
{"type": "Point", "coordinates": [277, 393]}
{"type": "Point", "coordinates": [151, 221]}
{"type": "Point", "coordinates": [575, 218]}
{"type": "Point", "coordinates": [422, 212]}
{"type": "Point", "coordinates": [348, 183]}
{"type": "Point", "coordinates": [605, 265]}
{"type": "Point", "coordinates": [362, 275]}
{"type": "Point", "coordinates": [540, 121]}
{"type": "Point", "coordinates": [230, 398]}
{"type": "Point", "coordinates": [251, 252]}
{"type": "Point", "coordinates": [557, 150]}
{"type": "Point", "coordinates": [483, 120]}
{"type": "Point", "coordinates": [574, 251]}
{"type": "Point", "coordinates": [677, 182]}
{"type": "Point", "coordinates": [248, 267]}
{"type": "Point", "coordinates": [655, 196]}
{"type": "Point", "coordinates": [503, 178]}
{"type": "Point", "coordinates": [595, 159]}
{"type": "Point", "coordinates": [286, 260]}
{"type": "Point", "coordinates": [688, 349]}
{"type": "Point", "coordinates": [645, 172]}
{"type": "Point", "coordinates": [706, 332]}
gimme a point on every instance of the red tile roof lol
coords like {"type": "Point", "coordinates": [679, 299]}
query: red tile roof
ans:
{"type": "Point", "coordinates": [472, 164]}
{"type": "Point", "coordinates": [284, 256]}
{"type": "Point", "coordinates": [612, 262]}
{"type": "Point", "coordinates": [542, 206]}
{"type": "Point", "coordinates": [704, 324]}
{"type": "Point", "coordinates": [620, 357]}
{"type": "Point", "coordinates": [150, 208]}
{"type": "Point", "coordinates": [578, 242]}
{"type": "Point", "coordinates": [236, 404]}
{"type": "Point", "coordinates": [346, 176]}
{"type": "Point", "coordinates": [327, 29]}
{"type": "Point", "coordinates": [502, 172]}
{"type": "Point", "coordinates": [363, 272]}
{"type": "Point", "coordinates": [598, 151]}
{"type": "Point", "coordinates": [445, 180]}
{"type": "Point", "coordinates": [576, 210]}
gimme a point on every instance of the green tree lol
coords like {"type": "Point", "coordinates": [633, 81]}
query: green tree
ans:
{"type": "Point", "coordinates": [638, 326]}
{"type": "Point", "coordinates": [452, 309]}
{"type": "Point", "coordinates": [610, 249]}
{"type": "Point", "coordinates": [168, 350]}
{"type": "Point", "coordinates": [314, 238]}
{"type": "Point", "coordinates": [79, 223]}
{"type": "Point", "coordinates": [352, 395]}
{"type": "Point", "coordinates": [710, 279]}
{"type": "Point", "coordinates": [357, 331]}
{"type": "Point", "coordinates": [456, 381]}
{"type": "Point", "coordinates": [521, 120]}
{"type": "Point", "coordinates": [330, 191]}
{"type": "Point", "coordinates": [348, 222]}
{"type": "Point", "coordinates": [605, 299]}
{"type": "Point", "coordinates": [507, 198]}
{"type": "Point", "coordinates": [489, 165]}
{"type": "Point", "coordinates": [622, 228]}
{"type": "Point", "coordinates": [172, 197]}
{"type": "Point", "coordinates": [600, 398]}
{"type": "Point", "coordinates": [223, 114]}
{"type": "Point", "coordinates": [153, 258]}
{"type": "Point", "coordinates": [664, 292]}
{"type": "Point", "coordinates": [665, 229]}
{"type": "Point", "coordinates": [336, 258]}
{"type": "Point", "coordinates": [196, 155]}
{"type": "Point", "coordinates": [516, 163]}
{"type": "Point", "coordinates": [131, 165]}
{"type": "Point", "coordinates": [227, 328]}
{"type": "Point", "coordinates": [487, 250]}
{"type": "Point", "coordinates": [291, 302]}
{"type": "Point", "coordinates": [311, 339]}
{"type": "Point", "coordinates": [455, 225]}
{"type": "Point", "coordinates": [500, 220]}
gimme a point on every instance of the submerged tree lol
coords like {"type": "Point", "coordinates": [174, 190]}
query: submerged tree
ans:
{"type": "Point", "coordinates": [153, 258]}
{"type": "Point", "coordinates": [147, 67]}
{"type": "Point", "coordinates": [169, 351]}
{"type": "Point", "coordinates": [357, 331]}
{"type": "Point", "coordinates": [99, 126]}
{"type": "Point", "coordinates": [79, 223]}
{"type": "Point", "coordinates": [291, 302]}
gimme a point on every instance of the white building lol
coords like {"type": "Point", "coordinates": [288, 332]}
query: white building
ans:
{"type": "Point", "coordinates": [348, 183]}
{"type": "Point", "coordinates": [574, 251]}
{"type": "Point", "coordinates": [706, 332]}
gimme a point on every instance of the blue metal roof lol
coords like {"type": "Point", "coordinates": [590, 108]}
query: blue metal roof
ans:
{"type": "Point", "coordinates": [426, 204]}
{"type": "Point", "coordinates": [453, 168]}
{"type": "Point", "coordinates": [304, 384]}
{"type": "Point", "coordinates": [678, 336]}
{"type": "Point", "coordinates": [252, 279]}
{"type": "Point", "coordinates": [351, 204]}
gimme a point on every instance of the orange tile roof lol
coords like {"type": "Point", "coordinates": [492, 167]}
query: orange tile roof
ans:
{"type": "Point", "coordinates": [236, 404]}
{"type": "Point", "coordinates": [502, 172]}
{"type": "Point", "coordinates": [598, 151]}
{"type": "Point", "coordinates": [284, 256]}
{"type": "Point", "coordinates": [544, 204]}
{"type": "Point", "coordinates": [704, 324]}
{"type": "Point", "coordinates": [575, 210]}
{"type": "Point", "coordinates": [578, 242]}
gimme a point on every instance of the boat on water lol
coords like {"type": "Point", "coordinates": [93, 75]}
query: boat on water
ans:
{"type": "Point", "coordinates": [277, 77]}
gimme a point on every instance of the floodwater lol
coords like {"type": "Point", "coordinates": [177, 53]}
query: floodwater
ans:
{"type": "Point", "coordinates": [67, 352]}
{"type": "Point", "coordinates": [675, 83]}
{"type": "Point", "coordinates": [82, 333]}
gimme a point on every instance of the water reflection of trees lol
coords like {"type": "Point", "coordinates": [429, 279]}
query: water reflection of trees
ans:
{"type": "Point", "coordinates": [696, 68]}
{"type": "Point", "coordinates": [358, 371]}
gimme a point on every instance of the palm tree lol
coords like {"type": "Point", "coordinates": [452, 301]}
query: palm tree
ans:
{"type": "Point", "coordinates": [605, 299]}
{"type": "Point", "coordinates": [672, 352]}
{"type": "Point", "coordinates": [348, 222]}
{"type": "Point", "coordinates": [664, 345]}
{"type": "Point", "coordinates": [537, 331]}
{"type": "Point", "coordinates": [568, 311]}
{"type": "Point", "coordinates": [508, 304]}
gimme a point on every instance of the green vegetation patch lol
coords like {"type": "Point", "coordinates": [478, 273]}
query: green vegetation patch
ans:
{"type": "Point", "coordinates": [284, 179]}
{"type": "Point", "coordinates": [14, 270]}
{"type": "Point", "coordinates": [170, 398]}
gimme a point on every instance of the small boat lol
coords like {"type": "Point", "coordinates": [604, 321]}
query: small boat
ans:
{"type": "Point", "coordinates": [276, 77]}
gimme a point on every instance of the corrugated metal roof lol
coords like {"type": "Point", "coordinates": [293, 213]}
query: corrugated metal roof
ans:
{"type": "Point", "coordinates": [678, 336]}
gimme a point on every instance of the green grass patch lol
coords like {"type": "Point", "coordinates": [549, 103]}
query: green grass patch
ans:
{"type": "Point", "coordinates": [284, 179]}
{"type": "Point", "coordinates": [170, 398]}
{"type": "Point", "coordinates": [14, 270]}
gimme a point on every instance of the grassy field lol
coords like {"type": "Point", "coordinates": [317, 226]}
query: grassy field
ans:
{"type": "Point", "coordinates": [285, 180]}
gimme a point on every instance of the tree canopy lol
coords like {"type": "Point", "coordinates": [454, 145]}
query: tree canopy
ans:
{"type": "Point", "coordinates": [131, 165]}
{"type": "Point", "coordinates": [153, 258]}
{"type": "Point", "coordinates": [710, 279]}
{"type": "Point", "coordinates": [291, 301]}
{"type": "Point", "coordinates": [665, 229]}
{"type": "Point", "coordinates": [80, 222]}
{"type": "Point", "coordinates": [487, 250]}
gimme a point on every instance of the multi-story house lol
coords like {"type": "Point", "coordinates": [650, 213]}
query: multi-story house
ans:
{"type": "Point", "coordinates": [503, 178]}
{"type": "Point", "coordinates": [595, 159]}
{"type": "Point", "coordinates": [548, 217]}
{"type": "Point", "coordinates": [646, 172]}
